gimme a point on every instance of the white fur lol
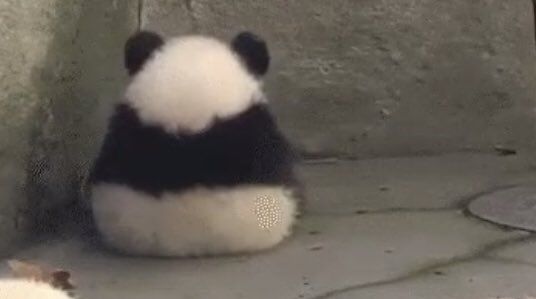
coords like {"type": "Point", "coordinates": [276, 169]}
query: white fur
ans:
{"type": "Point", "coordinates": [198, 222]}
{"type": "Point", "coordinates": [191, 81]}
{"type": "Point", "coordinates": [25, 289]}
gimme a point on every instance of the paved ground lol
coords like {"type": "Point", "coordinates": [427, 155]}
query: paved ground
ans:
{"type": "Point", "coordinates": [390, 228]}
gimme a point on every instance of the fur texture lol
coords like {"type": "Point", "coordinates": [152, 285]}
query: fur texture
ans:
{"type": "Point", "coordinates": [253, 51]}
{"type": "Point", "coordinates": [139, 48]}
{"type": "Point", "coordinates": [25, 289]}
{"type": "Point", "coordinates": [248, 149]}
{"type": "Point", "coordinates": [193, 162]}
{"type": "Point", "coordinates": [197, 222]}
{"type": "Point", "coordinates": [190, 82]}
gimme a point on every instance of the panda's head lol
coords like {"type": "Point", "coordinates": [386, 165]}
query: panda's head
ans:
{"type": "Point", "coordinates": [186, 83]}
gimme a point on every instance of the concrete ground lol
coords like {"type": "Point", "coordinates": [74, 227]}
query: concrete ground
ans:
{"type": "Point", "coordinates": [388, 228]}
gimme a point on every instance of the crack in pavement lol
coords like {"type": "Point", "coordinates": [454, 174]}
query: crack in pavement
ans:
{"type": "Point", "coordinates": [478, 253]}
{"type": "Point", "coordinates": [460, 205]}
{"type": "Point", "coordinates": [386, 211]}
{"type": "Point", "coordinates": [457, 205]}
{"type": "Point", "coordinates": [511, 261]}
{"type": "Point", "coordinates": [340, 157]}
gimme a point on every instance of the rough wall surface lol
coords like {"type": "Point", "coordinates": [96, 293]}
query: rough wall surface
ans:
{"type": "Point", "coordinates": [384, 77]}
{"type": "Point", "coordinates": [60, 67]}
{"type": "Point", "coordinates": [16, 107]}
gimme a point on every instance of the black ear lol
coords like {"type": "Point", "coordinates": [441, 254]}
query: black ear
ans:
{"type": "Point", "coordinates": [253, 51]}
{"type": "Point", "coordinates": [139, 48]}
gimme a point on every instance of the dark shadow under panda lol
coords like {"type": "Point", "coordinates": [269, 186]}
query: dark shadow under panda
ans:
{"type": "Point", "coordinates": [193, 162]}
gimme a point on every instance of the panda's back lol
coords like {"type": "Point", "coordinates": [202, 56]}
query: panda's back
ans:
{"type": "Point", "coordinates": [247, 149]}
{"type": "Point", "coordinates": [193, 162]}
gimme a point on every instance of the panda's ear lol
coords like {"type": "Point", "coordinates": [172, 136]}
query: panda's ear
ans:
{"type": "Point", "coordinates": [139, 48]}
{"type": "Point", "coordinates": [253, 51]}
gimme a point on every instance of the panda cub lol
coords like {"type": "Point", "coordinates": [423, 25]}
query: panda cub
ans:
{"type": "Point", "coordinates": [193, 162]}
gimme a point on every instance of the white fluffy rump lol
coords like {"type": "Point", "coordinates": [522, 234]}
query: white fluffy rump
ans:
{"type": "Point", "coordinates": [25, 289]}
{"type": "Point", "coordinates": [193, 223]}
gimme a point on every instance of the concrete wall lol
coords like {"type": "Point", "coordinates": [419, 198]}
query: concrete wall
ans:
{"type": "Point", "coordinates": [350, 78]}
{"type": "Point", "coordinates": [60, 69]}
{"type": "Point", "coordinates": [384, 77]}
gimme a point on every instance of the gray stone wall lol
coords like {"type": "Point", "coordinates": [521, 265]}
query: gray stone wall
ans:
{"type": "Point", "coordinates": [60, 70]}
{"type": "Point", "coordinates": [366, 78]}
{"type": "Point", "coordinates": [372, 78]}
